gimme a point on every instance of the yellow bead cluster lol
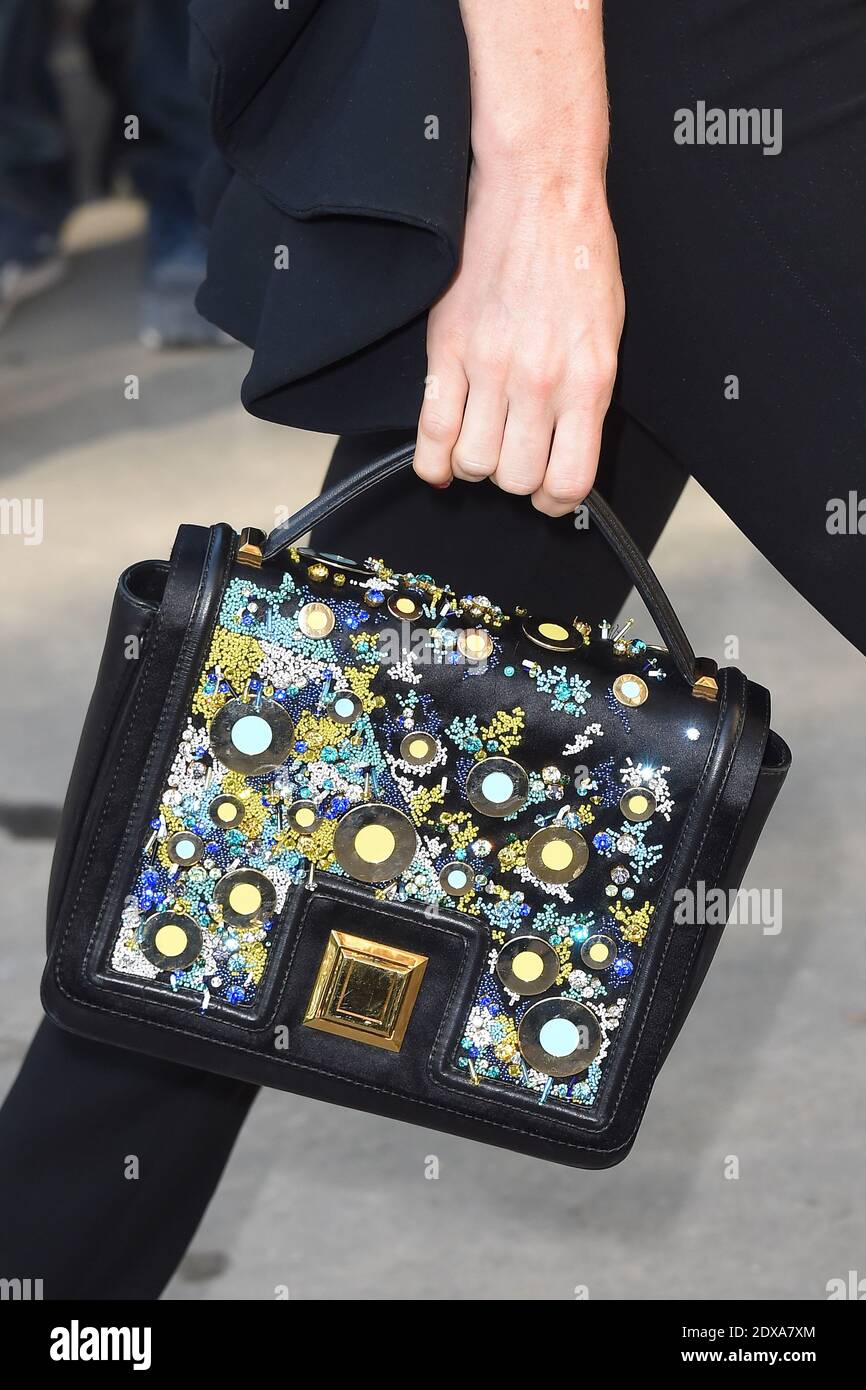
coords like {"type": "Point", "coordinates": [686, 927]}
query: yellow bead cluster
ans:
{"type": "Point", "coordinates": [360, 679]}
{"type": "Point", "coordinates": [498, 890]}
{"type": "Point", "coordinates": [505, 728]}
{"type": "Point", "coordinates": [423, 800]}
{"type": "Point", "coordinates": [566, 963]}
{"type": "Point", "coordinates": [461, 828]}
{"type": "Point", "coordinates": [318, 847]}
{"type": "Point", "coordinates": [208, 705]}
{"type": "Point", "coordinates": [173, 824]}
{"type": "Point", "coordinates": [237, 657]}
{"type": "Point", "coordinates": [235, 784]}
{"type": "Point", "coordinates": [512, 856]}
{"type": "Point", "coordinates": [634, 921]}
{"type": "Point", "coordinates": [317, 732]}
{"type": "Point", "coordinates": [255, 957]}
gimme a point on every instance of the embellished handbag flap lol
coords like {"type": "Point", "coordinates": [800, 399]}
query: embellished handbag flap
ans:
{"type": "Point", "coordinates": [522, 772]}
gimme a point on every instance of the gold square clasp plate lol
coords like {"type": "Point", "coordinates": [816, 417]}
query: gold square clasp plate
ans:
{"type": "Point", "coordinates": [365, 991]}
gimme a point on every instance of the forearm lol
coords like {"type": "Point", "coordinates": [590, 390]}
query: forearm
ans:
{"type": "Point", "coordinates": [522, 347]}
{"type": "Point", "coordinates": [539, 95]}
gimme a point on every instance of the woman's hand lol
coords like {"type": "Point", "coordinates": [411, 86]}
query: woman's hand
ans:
{"type": "Point", "coordinates": [522, 347]}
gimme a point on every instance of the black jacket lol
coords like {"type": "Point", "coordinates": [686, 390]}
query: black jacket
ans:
{"type": "Point", "coordinates": [343, 134]}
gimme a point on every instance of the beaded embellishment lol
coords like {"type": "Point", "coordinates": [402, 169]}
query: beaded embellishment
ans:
{"type": "Point", "coordinates": [330, 688]}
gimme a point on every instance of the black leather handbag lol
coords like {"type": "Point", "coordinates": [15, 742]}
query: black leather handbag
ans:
{"type": "Point", "coordinates": [347, 833]}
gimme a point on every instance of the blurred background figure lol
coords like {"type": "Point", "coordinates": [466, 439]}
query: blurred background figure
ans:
{"type": "Point", "coordinates": [155, 134]}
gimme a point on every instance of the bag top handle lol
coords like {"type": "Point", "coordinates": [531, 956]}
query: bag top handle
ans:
{"type": "Point", "coordinates": [630, 556]}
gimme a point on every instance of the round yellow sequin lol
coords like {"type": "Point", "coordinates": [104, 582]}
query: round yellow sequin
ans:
{"type": "Point", "coordinates": [245, 899]}
{"type": "Point", "coordinates": [557, 855]}
{"type": "Point", "coordinates": [170, 940]}
{"type": "Point", "coordinates": [527, 966]}
{"type": "Point", "coordinates": [316, 620]}
{"type": "Point", "coordinates": [245, 896]}
{"type": "Point", "coordinates": [374, 844]}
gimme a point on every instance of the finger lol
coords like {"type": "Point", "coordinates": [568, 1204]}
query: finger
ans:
{"type": "Point", "coordinates": [440, 421]}
{"type": "Point", "coordinates": [525, 448]}
{"type": "Point", "coordinates": [476, 453]}
{"type": "Point", "coordinates": [573, 462]}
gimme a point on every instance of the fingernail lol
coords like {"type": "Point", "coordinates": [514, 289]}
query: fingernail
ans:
{"type": "Point", "coordinates": [439, 486]}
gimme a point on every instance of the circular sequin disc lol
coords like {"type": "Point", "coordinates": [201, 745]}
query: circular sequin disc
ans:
{"type": "Point", "coordinates": [170, 940]}
{"type": "Point", "coordinates": [637, 804]}
{"type": "Point", "coordinates": [185, 848]}
{"type": "Point", "coordinates": [497, 786]}
{"type": "Point", "coordinates": [557, 854]}
{"type": "Point", "coordinates": [527, 965]}
{"type": "Point", "coordinates": [374, 842]}
{"type": "Point", "coordinates": [547, 633]}
{"type": "Point", "coordinates": [559, 1037]}
{"type": "Point", "coordinates": [418, 749]}
{"type": "Point", "coordinates": [316, 620]}
{"type": "Point", "coordinates": [226, 811]}
{"type": "Point", "coordinates": [406, 606]}
{"type": "Point", "coordinates": [630, 690]}
{"type": "Point", "coordinates": [456, 879]}
{"type": "Point", "coordinates": [245, 896]}
{"type": "Point", "coordinates": [475, 644]}
{"type": "Point", "coordinates": [598, 952]}
{"type": "Point", "coordinates": [303, 816]}
{"type": "Point", "coordinates": [251, 738]}
{"type": "Point", "coordinates": [345, 708]}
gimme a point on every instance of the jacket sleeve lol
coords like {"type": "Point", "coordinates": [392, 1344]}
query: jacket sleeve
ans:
{"type": "Point", "coordinates": [336, 197]}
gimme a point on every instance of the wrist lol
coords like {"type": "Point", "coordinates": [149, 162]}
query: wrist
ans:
{"type": "Point", "coordinates": [574, 181]}
{"type": "Point", "coordinates": [573, 150]}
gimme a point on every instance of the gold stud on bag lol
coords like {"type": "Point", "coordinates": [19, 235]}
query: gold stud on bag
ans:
{"type": "Point", "coordinates": [354, 834]}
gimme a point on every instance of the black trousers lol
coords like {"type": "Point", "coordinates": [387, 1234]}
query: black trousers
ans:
{"type": "Point", "coordinates": [139, 50]}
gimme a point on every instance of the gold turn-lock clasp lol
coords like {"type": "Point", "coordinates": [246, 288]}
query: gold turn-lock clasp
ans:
{"type": "Point", "coordinates": [251, 548]}
{"type": "Point", "coordinates": [365, 990]}
{"type": "Point", "coordinates": [706, 684]}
